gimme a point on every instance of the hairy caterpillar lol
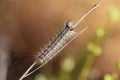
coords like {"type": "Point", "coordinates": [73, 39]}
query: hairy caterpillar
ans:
{"type": "Point", "coordinates": [62, 40]}
{"type": "Point", "coordinates": [63, 37]}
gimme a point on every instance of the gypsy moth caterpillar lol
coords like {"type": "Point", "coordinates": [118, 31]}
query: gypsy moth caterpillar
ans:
{"type": "Point", "coordinates": [63, 37]}
{"type": "Point", "coordinates": [61, 41]}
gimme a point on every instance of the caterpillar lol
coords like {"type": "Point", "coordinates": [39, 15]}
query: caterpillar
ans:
{"type": "Point", "coordinates": [64, 37]}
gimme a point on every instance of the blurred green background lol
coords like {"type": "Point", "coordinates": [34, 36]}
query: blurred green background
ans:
{"type": "Point", "coordinates": [94, 55]}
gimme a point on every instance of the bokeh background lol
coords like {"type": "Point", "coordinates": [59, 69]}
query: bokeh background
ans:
{"type": "Point", "coordinates": [31, 24]}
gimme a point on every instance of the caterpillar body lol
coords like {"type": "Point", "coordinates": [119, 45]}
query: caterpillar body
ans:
{"type": "Point", "coordinates": [52, 49]}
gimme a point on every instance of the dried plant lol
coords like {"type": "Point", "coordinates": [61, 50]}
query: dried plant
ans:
{"type": "Point", "coordinates": [62, 39]}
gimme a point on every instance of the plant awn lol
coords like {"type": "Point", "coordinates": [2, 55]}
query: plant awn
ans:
{"type": "Point", "coordinates": [62, 40]}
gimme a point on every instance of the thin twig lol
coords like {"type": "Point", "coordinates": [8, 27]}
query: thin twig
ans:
{"type": "Point", "coordinates": [87, 13]}
{"type": "Point", "coordinates": [27, 73]}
